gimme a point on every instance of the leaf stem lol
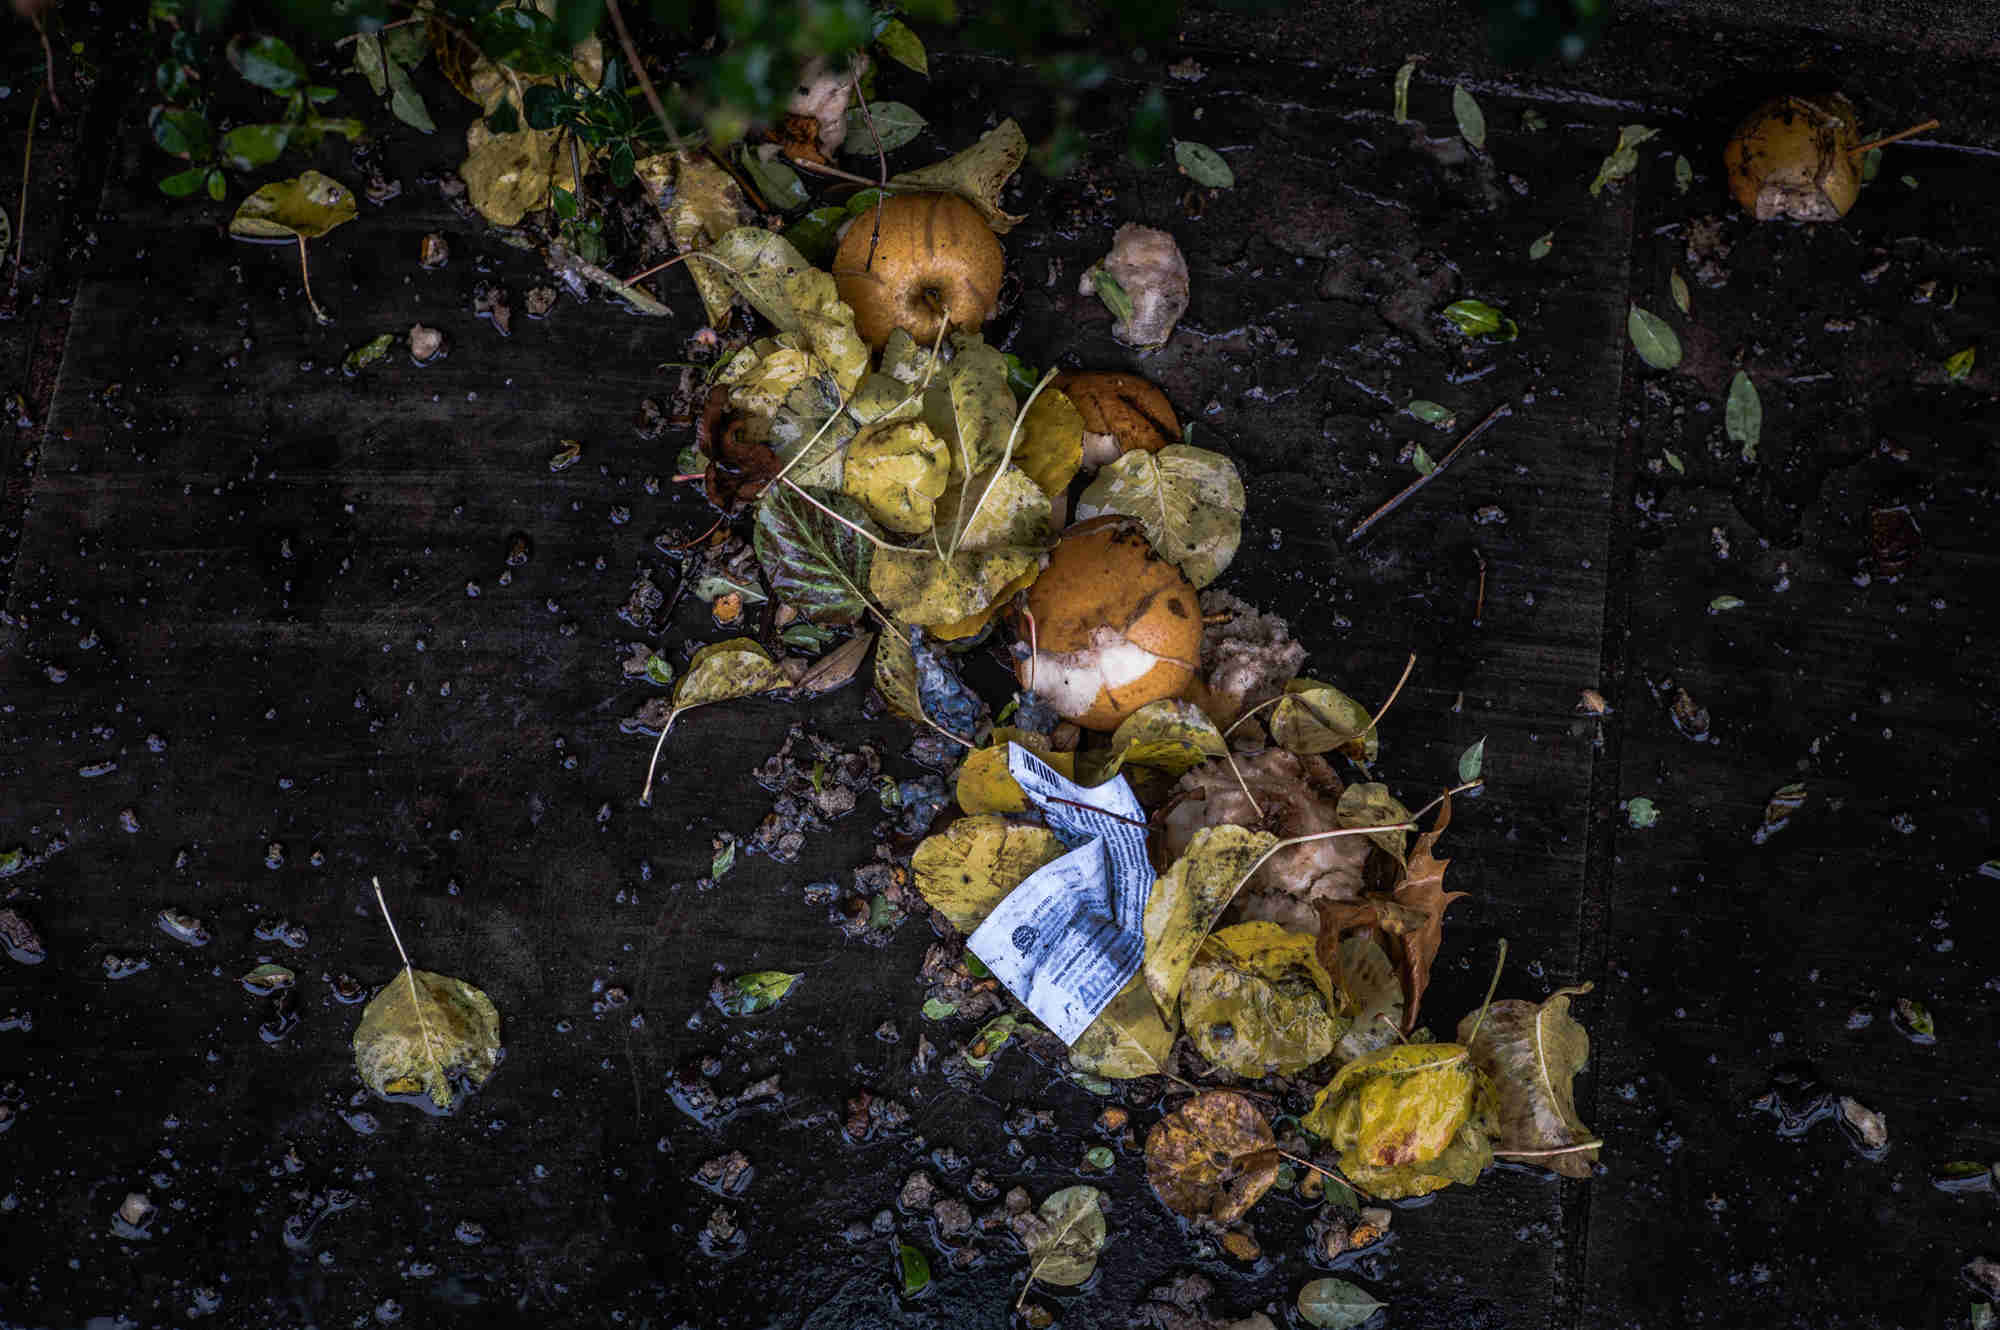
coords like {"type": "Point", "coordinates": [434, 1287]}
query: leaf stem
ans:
{"type": "Point", "coordinates": [1267, 702]}
{"type": "Point", "coordinates": [306, 277]}
{"type": "Point", "coordinates": [646, 795]}
{"type": "Point", "coordinates": [1291, 841]}
{"type": "Point", "coordinates": [1241, 783]}
{"type": "Point", "coordinates": [416, 1000]}
{"type": "Point", "coordinates": [857, 529]}
{"type": "Point", "coordinates": [1394, 693]}
{"type": "Point", "coordinates": [1549, 1154]}
{"type": "Point", "coordinates": [818, 168]}
{"type": "Point", "coordinates": [1456, 789]}
{"type": "Point", "coordinates": [1324, 1172]}
{"type": "Point", "coordinates": [1006, 455]}
{"type": "Point", "coordinates": [639, 72]}
{"type": "Point", "coordinates": [1492, 986]}
{"type": "Point", "coordinates": [21, 213]}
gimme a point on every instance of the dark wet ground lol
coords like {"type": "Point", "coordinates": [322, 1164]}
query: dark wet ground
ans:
{"type": "Point", "coordinates": [243, 669]}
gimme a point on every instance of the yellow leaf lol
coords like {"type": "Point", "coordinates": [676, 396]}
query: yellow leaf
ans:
{"type": "Point", "coordinates": [430, 1035]}
{"type": "Point", "coordinates": [309, 205]}
{"type": "Point", "coordinates": [1404, 1118]}
{"type": "Point", "coordinates": [702, 203]}
{"type": "Point", "coordinates": [978, 174]}
{"type": "Point", "coordinates": [725, 670]}
{"type": "Point", "coordinates": [1371, 805]}
{"type": "Point", "coordinates": [970, 405]}
{"type": "Point", "coordinates": [1129, 1037]}
{"type": "Point", "coordinates": [1189, 898]}
{"type": "Point", "coordinates": [1317, 718]}
{"type": "Point", "coordinates": [1257, 1002]}
{"type": "Point", "coordinates": [1169, 735]}
{"type": "Point", "coordinates": [973, 623]}
{"type": "Point", "coordinates": [985, 785]}
{"type": "Point", "coordinates": [1007, 510]}
{"type": "Point", "coordinates": [1050, 447]}
{"type": "Point", "coordinates": [918, 587]}
{"type": "Point", "coordinates": [897, 471]}
{"type": "Point", "coordinates": [965, 870]}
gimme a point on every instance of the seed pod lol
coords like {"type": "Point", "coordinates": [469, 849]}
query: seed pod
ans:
{"type": "Point", "coordinates": [1794, 157]}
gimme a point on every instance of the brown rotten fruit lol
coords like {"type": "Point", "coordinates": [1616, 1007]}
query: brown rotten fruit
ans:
{"type": "Point", "coordinates": [1109, 625]}
{"type": "Point", "coordinates": [916, 261]}
{"type": "Point", "coordinates": [1121, 413]}
{"type": "Point", "coordinates": [1797, 157]}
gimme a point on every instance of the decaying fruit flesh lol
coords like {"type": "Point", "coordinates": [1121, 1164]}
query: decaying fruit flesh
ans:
{"type": "Point", "coordinates": [1109, 626]}
{"type": "Point", "coordinates": [916, 261]}
{"type": "Point", "coordinates": [1794, 157]}
{"type": "Point", "coordinates": [1121, 413]}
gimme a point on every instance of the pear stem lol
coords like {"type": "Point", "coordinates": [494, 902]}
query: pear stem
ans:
{"type": "Point", "coordinates": [1897, 137]}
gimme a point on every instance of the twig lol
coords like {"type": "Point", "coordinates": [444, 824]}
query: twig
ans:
{"type": "Point", "coordinates": [1394, 693]}
{"type": "Point", "coordinates": [1479, 607]}
{"type": "Point", "coordinates": [818, 168]}
{"type": "Point", "coordinates": [1267, 702]}
{"type": "Point", "coordinates": [660, 267]}
{"type": "Point", "coordinates": [1077, 803]}
{"type": "Point", "coordinates": [1243, 784]}
{"type": "Point", "coordinates": [416, 1000]}
{"type": "Point", "coordinates": [21, 213]}
{"type": "Point", "coordinates": [49, 65]}
{"type": "Point", "coordinates": [399, 23]}
{"type": "Point", "coordinates": [1897, 137]}
{"type": "Point", "coordinates": [1362, 527]}
{"type": "Point", "coordinates": [639, 72]}
{"type": "Point", "coordinates": [690, 544]}
{"type": "Point", "coordinates": [881, 153]}
{"type": "Point", "coordinates": [1348, 1183]}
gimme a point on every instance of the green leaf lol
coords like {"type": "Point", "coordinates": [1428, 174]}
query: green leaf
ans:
{"type": "Point", "coordinates": [1678, 285]}
{"type": "Point", "coordinates": [1655, 341]}
{"type": "Point", "coordinates": [816, 235]}
{"type": "Point", "coordinates": [936, 1009]}
{"type": "Point", "coordinates": [1203, 165]}
{"type": "Point", "coordinates": [1958, 365]}
{"type": "Point", "coordinates": [1544, 242]}
{"type": "Point", "coordinates": [1476, 318]}
{"type": "Point", "coordinates": [267, 979]}
{"type": "Point", "coordinates": [903, 46]}
{"type": "Point", "coordinates": [778, 183]}
{"type": "Point", "coordinates": [1471, 120]}
{"type": "Point", "coordinates": [1335, 1304]}
{"type": "Point", "coordinates": [1743, 416]}
{"type": "Point", "coordinates": [976, 967]}
{"type": "Point", "coordinates": [247, 147]}
{"type": "Point", "coordinates": [1065, 1245]}
{"type": "Point", "coordinates": [1421, 460]}
{"type": "Point", "coordinates": [1683, 174]}
{"type": "Point", "coordinates": [1403, 91]}
{"type": "Point", "coordinates": [267, 62]}
{"type": "Point", "coordinates": [1189, 500]}
{"type": "Point", "coordinates": [1982, 1317]}
{"type": "Point", "coordinates": [725, 859]}
{"type": "Point", "coordinates": [182, 133]}
{"type": "Point", "coordinates": [361, 357]}
{"type": "Point", "coordinates": [183, 183]}
{"type": "Point", "coordinates": [913, 1269]}
{"type": "Point", "coordinates": [1641, 812]}
{"type": "Point", "coordinates": [407, 104]}
{"type": "Point", "coordinates": [1624, 159]}
{"type": "Point", "coordinates": [12, 861]}
{"type": "Point", "coordinates": [1471, 761]}
{"type": "Point", "coordinates": [427, 1035]}
{"type": "Point", "coordinates": [1100, 1158]}
{"type": "Point", "coordinates": [896, 123]}
{"type": "Point", "coordinates": [216, 186]}
{"type": "Point", "coordinates": [659, 670]}
{"type": "Point", "coordinates": [748, 994]}
{"type": "Point", "coordinates": [815, 563]}
{"type": "Point", "coordinates": [1112, 292]}
{"type": "Point", "coordinates": [1673, 460]}
{"type": "Point", "coordinates": [725, 671]}
{"type": "Point", "coordinates": [1722, 604]}
{"type": "Point", "coordinates": [1431, 413]}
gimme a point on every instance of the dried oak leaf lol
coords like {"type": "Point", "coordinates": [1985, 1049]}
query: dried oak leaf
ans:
{"type": "Point", "coordinates": [1295, 796]}
{"type": "Point", "coordinates": [1533, 1051]}
{"type": "Point", "coordinates": [1422, 888]}
{"type": "Point", "coordinates": [1212, 1157]}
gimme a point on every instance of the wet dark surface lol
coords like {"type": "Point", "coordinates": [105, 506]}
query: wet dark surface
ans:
{"type": "Point", "coordinates": [244, 669]}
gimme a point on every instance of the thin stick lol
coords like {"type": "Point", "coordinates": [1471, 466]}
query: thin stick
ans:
{"type": "Point", "coordinates": [1034, 646]}
{"type": "Point", "coordinates": [49, 65]}
{"type": "Point", "coordinates": [1479, 608]}
{"type": "Point", "coordinates": [1077, 803]}
{"type": "Point", "coordinates": [1492, 986]}
{"type": "Point", "coordinates": [1547, 1154]}
{"type": "Point", "coordinates": [646, 795]}
{"type": "Point", "coordinates": [659, 267]}
{"type": "Point", "coordinates": [1326, 1173]}
{"type": "Point", "coordinates": [306, 277]}
{"type": "Point", "coordinates": [1243, 784]}
{"type": "Point", "coordinates": [818, 169]}
{"type": "Point", "coordinates": [639, 72]}
{"type": "Point", "coordinates": [21, 213]}
{"type": "Point", "coordinates": [416, 1002]}
{"type": "Point", "coordinates": [1362, 527]}
{"type": "Point", "coordinates": [1394, 693]}
{"type": "Point", "coordinates": [1884, 142]}
{"type": "Point", "coordinates": [881, 153]}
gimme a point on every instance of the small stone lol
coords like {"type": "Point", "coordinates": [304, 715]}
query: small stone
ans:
{"type": "Point", "coordinates": [427, 344]}
{"type": "Point", "coordinates": [1869, 1128]}
{"type": "Point", "coordinates": [918, 1192]}
{"type": "Point", "coordinates": [953, 1216]}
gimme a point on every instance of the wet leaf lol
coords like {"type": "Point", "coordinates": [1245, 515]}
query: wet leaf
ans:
{"type": "Point", "coordinates": [1063, 1248]}
{"type": "Point", "coordinates": [1112, 292]}
{"type": "Point", "coordinates": [1673, 459]}
{"type": "Point", "coordinates": [978, 174]}
{"type": "Point", "coordinates": [1723, 603]}
{"type": "Point", "coordinates": [748, 994]}
{"type": "Point", "coordinates": [897, 472]}
{"type": "Point", "coordinates": [815, 563]}
{"type": "Point", "coordinates": [428, 1034]}
{"type": "Point", "coordinates": [308, 205]}
{"type": "Point", "coordinates": [1683, 174]}
{"type": "Point", "coordinates": [361, 357]}
{"type": "Point", "coordinates": [1314, 717]}
{"type": "Point", "coordinates": [998, 509]}
{"type": "Point", "coordinates": [937, 1009]}
{"type": "Point", "coordinates": [896, 678]}
{"type": "Point", "coordinates": [1256, 1002]}
{"type": "Point", "coordinates": [1641, 812]}
{"type": "Point", "coordinates": [267, 62]}
{"type": "Point", "coordinates": [984, 783]}
{"type": "Point", "coordinates": [971, 407]}
{"type": "Point", "coordinates": [1785, 801]}
{"type": "Point", "coordinates": [1958, 365]}
{"type": "Point", "coordinates": [12, 861]}
{"type": "Point", "coordinates": [913, 1269]}
{"type": "Point", "coordinates": [918, 587]}
{"type": "Point", "coordinates": [1169, 735]}
{"type": "Point", "coordinates": [834, 670]}
{"type": "Point", "coordinates": [1129, 1038]}
{"type": "Point", "coordinates": [1402, 91]}
{"type": "Point", "coordinates": [1422, 889]}
{"type": "Point", "coordinates": [1421, 460]}
{"type": "Point", "coordinates": [1916, 1021]}
{"type": "Point", "coordinates": [1213, 1157]}
{"type": "Point", "coordinates": [1543, 244]}
{"type": "Point", "coordinates": [1471, 120]}
{"type": "Point", "coordinates": [1189, 500]}
{"type": "Point", "coordinates": [724, 671]}
{"type": "Point", "coordinates": [387, 76]}
{"type": "Point", "coordinates": [1374, 991]}
{"type": "Point", "coordinates": [1533, 1051]}
{"type": "Point", "coordinates": [903, 46]}
{"type": "Point", "coordinates": [659, 669]}
{"type": "Point", "coordinates": [1050, 446]}
{"type": "Point", "coordinates": [1471, 761]}
{"type": "Point", "coordinates": [1624, 159]}
{"type": "Point", "coordinates": [1431, 413]}
{"type": "Point", "coordinates": [267, 979]}
{"type": "Point", "coordinates": [895, 123]}
{"type": "Point", "coordinates": [1398, 1116]}
{"type": "Point", "coordinates": [1187, 900]}
{"type": "Point", "coordinates": [1371, 805]}
{"type": "Point", "coordinates": [777, 182]}
{"type": "Point", "coordinates": [1203, 165]}
{"type": "Point", "coordinates": [725, 859]}
{"type": "Point", "coordinates": [1476, 318]}
{"type": "Point", "coordinates": [1743, 416]}
{"type": "Point", "coordinates": [702, 203]}
{"type": "Point", "coordinates": [764, 268]}
{"type": "Point", "coordinates": [1335, 1304]}
{"type": "Point", "coordinates": [1677, 284]}
{"type": "Point", "coordinates": [1653, 338]}
{"type": "Point", "coordinates": [965, 870]}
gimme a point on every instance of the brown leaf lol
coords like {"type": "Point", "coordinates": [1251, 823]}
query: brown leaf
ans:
{"type": "Point", "coordinates": [836, 668]}
{"type": "Point", "coordinates": [1213, 1156]}
{"type": "Point", "coordinates": [1422, 888]}
{"type": "Point", "coordinates": [740, 469]}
